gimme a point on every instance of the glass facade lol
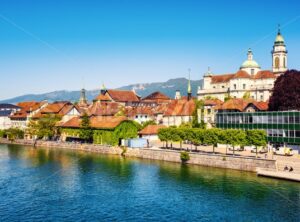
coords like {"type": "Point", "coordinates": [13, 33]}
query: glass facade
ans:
{"type": "Point", "coordinates": [281, 127]}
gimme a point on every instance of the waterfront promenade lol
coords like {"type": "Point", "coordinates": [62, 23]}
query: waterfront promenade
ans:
{"type": "Point", "coordinates": [270, 167]}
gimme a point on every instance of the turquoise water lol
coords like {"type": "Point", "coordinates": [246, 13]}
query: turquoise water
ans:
{"type": "Point", "coordinates": [59, 185]}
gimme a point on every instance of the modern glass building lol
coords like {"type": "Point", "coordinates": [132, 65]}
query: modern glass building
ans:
{"type": "Point", "coordinates": [281, 127]}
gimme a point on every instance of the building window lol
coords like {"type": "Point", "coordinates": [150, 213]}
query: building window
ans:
{"type": "Point", "coordinates": [208, 111]}
{"type": "Point", "coordinates": [277, 62]}
{"type": "Point", "coordinates": [252, 71]}
{"type": "Point", "coordinates": [223, 87]}
{"type": "Point", "coordinates": [284, 62]}
{"type": "Point", "coordinates": [234, 86]}
{"type": "Point", "coordinates": [244, 86]}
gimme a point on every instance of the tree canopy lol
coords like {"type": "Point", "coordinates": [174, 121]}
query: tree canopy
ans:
{"type": "Point", "coordinates": [86, 132]}
{"type": "Point", "coordinates": [45, 127]}
{"type": "Point", "coordinates": [286, 93]}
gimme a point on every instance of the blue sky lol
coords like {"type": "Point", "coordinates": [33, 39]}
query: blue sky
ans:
{"type": "Point", "coordinates": [58, 44]}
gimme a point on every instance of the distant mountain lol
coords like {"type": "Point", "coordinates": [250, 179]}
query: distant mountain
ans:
{"type": "Point", "coordinates": [143, 89]}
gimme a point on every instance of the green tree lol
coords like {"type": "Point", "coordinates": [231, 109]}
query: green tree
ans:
{"type": "Point", "coordinates": [211, 137]}
{"type": "Point", "coordinates": [196, 122]}
{"type": "Point", "coordinates": [197, 137]}
{"type": "Point", "coordinates": [147, 123]}
{"type": "Point", "coordinates": [126, 130]}
{"type": "Point", "coordinates": [235, 137]}
{"type": "Point", "coordinates": [44, 127]}
{"type": "Point", "coordinates": [85, 132]}
{"type": "Point", "coordinates": [13, 134]}
{"type": "Point", "coordinates": [256, 138]}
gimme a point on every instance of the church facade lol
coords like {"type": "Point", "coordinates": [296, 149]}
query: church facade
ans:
{"type": "Point", "coordinates": [250, 80]}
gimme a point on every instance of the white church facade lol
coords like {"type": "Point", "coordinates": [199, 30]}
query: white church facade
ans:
{"type": "Point", "coordinates": [250, 80]}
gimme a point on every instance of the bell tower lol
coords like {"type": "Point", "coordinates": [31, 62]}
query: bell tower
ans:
{"type": "Point", "coordinates": [279, 55]}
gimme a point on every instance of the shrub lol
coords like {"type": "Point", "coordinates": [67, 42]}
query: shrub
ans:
{"type": "Point", "coordinates": [184, 156]}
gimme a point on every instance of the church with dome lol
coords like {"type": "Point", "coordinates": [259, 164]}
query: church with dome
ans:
{"type": "Point", "coordinates": [250, 80]}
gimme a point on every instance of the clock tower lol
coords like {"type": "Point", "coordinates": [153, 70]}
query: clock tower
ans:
{"type": "Point", "coordinates": [279, 55]}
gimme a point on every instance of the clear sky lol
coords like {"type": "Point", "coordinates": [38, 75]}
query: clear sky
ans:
{"type": "Point", "coordinates": [59, 44]}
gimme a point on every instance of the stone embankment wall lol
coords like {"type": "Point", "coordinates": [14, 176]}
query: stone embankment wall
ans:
{"type": "Point", "coordinates": [221, 161]}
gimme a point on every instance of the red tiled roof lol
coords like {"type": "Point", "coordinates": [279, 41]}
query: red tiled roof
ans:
{"type": "Point", "coordinates": [241, 74]}
{"type": "Point", "coordinates": [264, 74]}
{"type": "Point", "coordinates": [99, 122]}
{"type": "Point", "coordinates": [30, 105]}
{"type": "Point", "coordinates": [234, 104]}
{"type": "Point", "coordinates": [156, 96]}
{"type": "Point", "coordinates": [104, 109]}
{"type": "Point", "coordinates": [221, 78]}
{"type": "Point", "coordinates": [151, 129]}
{"type": "Point", "coordinates": [133, 111]}
{"type": "Point", "coordinates": [241, 105]}
{"type": "Point", "coordinates": [56, 108]}
{"type": "Point", "coordinates": [160, 109]}
{"type": "Point", "coordinates": [26, 108]}
{"type": "Point", "coordinates": [180, 107]}
{"type": "Point", "coordinates": [103, 97]}
{"type": "Point", "coordinates": [123, 96]}
{"type": "Point", "coordinates": [263, 106]}
{"type": "Point", "coordinates": [212, 102]}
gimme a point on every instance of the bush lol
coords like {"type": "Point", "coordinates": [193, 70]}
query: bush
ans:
{"type": "Point", "coordinates": [184, 156]}
{"type": "Point", "coordinates": [2, 133]}
{"type": "Point", "coordinates": [13, 133]}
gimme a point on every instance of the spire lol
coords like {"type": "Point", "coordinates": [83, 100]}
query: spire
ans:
{"type": "Point", "coordinates": [103, 89]}
{"type": "Point", "coordinates": [82, 100]}
{"type": "Point", "coordinates": [189, 83]}
{"type": "Point", "coordinates": [189, 89]}
{"type": "Point", "coordinates": [250, 55]}
{"type": "Point", "coordinates": [208, 73]}
{"type": "Point", "coordinates": [279, 40]}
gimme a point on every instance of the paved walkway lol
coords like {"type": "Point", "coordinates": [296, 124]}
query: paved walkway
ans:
{"type": "Point", "coordinates": [282, 161]}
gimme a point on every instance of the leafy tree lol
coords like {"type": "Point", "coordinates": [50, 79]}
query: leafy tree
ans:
{"type": "Point", "coordinates": [235, 137]}
{"type": "Point", "coordinates": [197, 137]}
{"type": "Point", "coordinates": [196, 123]}
{"type": "Point", "coordinates": [85, 132]}
{"type": "Point", "coordinates": [286, 92]}
{"type": "Point", "coordinates": [45, 127]}
{"type": "Point", "coordinates": [126, 130]}
{"type": "Point", "coordinates": [187, 125]}
{"type": "Point", "coordinates": [13, 134]}
{"type": "Point", "coordinates": [211, 137]}
{"type": "Point", "coordinates": [147, 123]}
{"type": "Point", "coordinates": [2, 133]}
{"type": "Point", "coordinates": [256, 138]}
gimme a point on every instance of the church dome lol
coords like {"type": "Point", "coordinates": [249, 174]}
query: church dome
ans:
{"type": "Point", "coordinates": [250, 64]}
{"type": "Point", "coordinates": [279, 38]}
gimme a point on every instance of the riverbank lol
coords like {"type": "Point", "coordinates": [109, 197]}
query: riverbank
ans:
{"type": "Point", "coordinates": [204, 159]}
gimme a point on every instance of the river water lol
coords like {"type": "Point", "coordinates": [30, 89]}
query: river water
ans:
{"type": "Point", "coordinates": [58, 185]}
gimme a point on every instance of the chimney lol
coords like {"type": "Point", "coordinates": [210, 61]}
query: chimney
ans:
{"type": "Point", "coordinates": [177, 94]}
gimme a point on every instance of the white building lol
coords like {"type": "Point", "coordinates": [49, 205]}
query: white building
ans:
{"type": "Point", "coordinates": [5, 111]}
{"type": "Point", "coordinates": [250, 80]}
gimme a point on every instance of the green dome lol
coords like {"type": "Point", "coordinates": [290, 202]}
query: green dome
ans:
{"type": "Point", "coordinates": [279, 38]}
{"type": "Point", "coordinates": [250, 64]}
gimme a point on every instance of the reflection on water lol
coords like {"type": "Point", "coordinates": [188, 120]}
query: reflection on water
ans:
{"type": "Point", "coordinates": [104, 187]}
